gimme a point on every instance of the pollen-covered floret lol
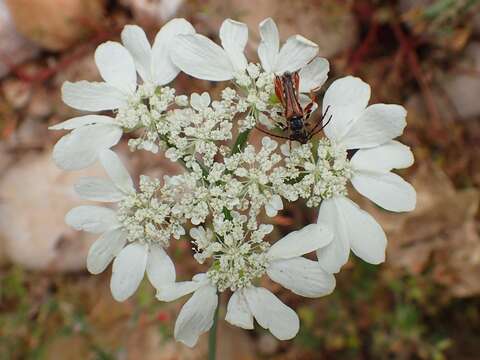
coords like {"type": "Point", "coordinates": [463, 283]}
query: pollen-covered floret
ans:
{"type": "Point", "coordinates": [147, 215]}
{"type": "Point", "coordinates": [253, 172]}
{"type": "Point", "coordinates": [321, 175]}
{"type": "Point", "coordinates": [146, 110]}
{"type": "Point", "coordinates": [238, 255]}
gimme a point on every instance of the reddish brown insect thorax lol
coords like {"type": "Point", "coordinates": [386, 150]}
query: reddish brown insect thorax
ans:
{"type": "Point", "coordinates": [286, 89]}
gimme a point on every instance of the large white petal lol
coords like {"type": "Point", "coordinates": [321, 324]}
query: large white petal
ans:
{"type": "Point", "coordinates": [200, 57]}
{"type": "Point", "coordinates": [116, 171]}
{"type": "Point", "coordinates": [271, 313]}
{"type": "Point", "coordinates": [383, 158]}
{"type": "Point", "coordinates": [269, 46]}
{"type": "Point", "coordinates": [196, 316]}
{"type": "Point", "coordinates": [234, 37]}
{"type": "Point", "coordinates": [302, 276]}
{"type": "Point", "coordinates": [378, 124]}
{"type": "Point", "coordinates": [345, 99]}
{"type": "Point", "coordinates": [94, 219]}
{"type": "Point", "coordinates": [387, 190]}
{"type": "Point", "coordinates": [98, 189]}
{"type": "Point", "coordinates": [128, 270]}
{"type": "Point", "coordinates": [116, 66]}
{"type": "Point", "coordinates": [295, 54]}
{"type": "Point", "coordinates": [81, 147]}
{"type": "Point", "coordinates": [160, 268]}
{"type": "Point", "coordinates": [314, 74]}
{"type": "Point", "coordinates": [92, 96]}
{"type": "Point", "coordinates": [80, 121]}
{"type": "Point", "coordinates": [335, 255]}
{"type": "Point", "coordinates": [136, 42]}
{"type": "Point", "coordinates": [102, 251]}
{"type": "Point", "coordinates": [238, 313]}
{"type": "Point", "coordinates": [301, 242]}
{"type": "Point", "coordinates": [171, 292]}
{"type": "Point", "coordinates": [353, 227]}
{"type": "Point", "coordinates": [163, 69]}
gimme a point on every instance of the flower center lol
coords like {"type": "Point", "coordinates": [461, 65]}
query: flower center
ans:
{"type": "Point", "coordinates": [146, 218]}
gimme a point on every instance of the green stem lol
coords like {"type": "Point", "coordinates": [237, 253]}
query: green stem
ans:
{"type": "Point", "coordinates": [240, 142]}
{"type": "Point", "coordinates": [212, 337]}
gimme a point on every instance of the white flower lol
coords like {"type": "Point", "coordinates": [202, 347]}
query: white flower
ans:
{"type": "Point", "coordinates": [118, 64]}
{"type": "Point", "coordinates": [371, 130]}
{"type": "Point", "coordinates": [200, 57]}
{"type": "Point", "coordinates": [298, 53]}
{"type": "Point", "coordinates": [133, 257]}
{"type": "Point", "coordinates": [91, 134]}
{"type": "Point", "coordinates": [286, 267]}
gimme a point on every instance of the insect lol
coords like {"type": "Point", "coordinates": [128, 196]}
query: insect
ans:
{"type": "Point", "coordinates": [297, 125]}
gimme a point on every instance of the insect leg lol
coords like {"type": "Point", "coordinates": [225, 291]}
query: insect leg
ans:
{"type": "Point", "coordinates": [271, 134]}
{"type": "Point", "coordinates": [308, 109]}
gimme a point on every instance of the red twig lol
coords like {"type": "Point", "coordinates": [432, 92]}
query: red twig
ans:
{"type": "Point", "coordinates": [406, 46]}
{"type": "Point", "coordinates": [364, 49]}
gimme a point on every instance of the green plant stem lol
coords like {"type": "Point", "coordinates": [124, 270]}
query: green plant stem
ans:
{"type": "Point", "coordinates": [212, 337]}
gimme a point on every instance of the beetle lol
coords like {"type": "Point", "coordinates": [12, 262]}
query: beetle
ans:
{"type": "Point", "coordinates": [297, 124]}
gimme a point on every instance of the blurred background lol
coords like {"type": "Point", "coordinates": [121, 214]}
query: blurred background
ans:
{"type": "Point", "coordinates": [423, 303]}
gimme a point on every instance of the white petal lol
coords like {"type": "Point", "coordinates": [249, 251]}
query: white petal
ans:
{"type": "Point", "coordinates": [173, 291]}
{"type": "Point", "coordinates": [200, 102]}
{"type": "Point", "coordinates": [81, 147]}
{"type": "Point", "coordinates": [351, 225]}
{"type": "Point", "coordinates": [314, 74]}
{"type": "Point", "coordinates": [301, 242]}
{"type": "Point", "coordinates": [102, 251]}
{"type": "Point", "coordinates": [302, 276]}
{"type": "Point", "coordinates": [377, 125]}
{"type": "Point", "coordinates": [116, 171]}
{"type": "Point", "coordinates": [345, 100]}
{"type": "Point", "coordinates": [94, 219]}
{"type": "Point", "coordinates": [269, 46]}
{"type": "Point", "coordinates": [128, 271]}
{"type": "Point", "coordinates": [98, 189]}
{"type": "Point", "coordinates": [271, 313]}
{"type": "Point", "coordinates": [92, 96]}
{"type": "Point", "coordinates": [274, 205]}
{"type": "Point", "coordinates": [200, 57]}
{"type": "Point", "coordinates": [136, 42]}
{"type": "Point", "coordinates": [335, 255]}
{"type": "Point", "coordinates": [80, 121]}
{"type": "Point", "coordinates": [391, 155]}
{"type": "Point", "coordinates": [238, 313]}
{"type": "Point", "coordinates": [387, 190]}
{"type": "Point", "coordinates": [160, 268]}
{"type": "Point", "coordinates": [295, 54]}
{"type": "Point", "coordinates": [163, 69]}
{"type": "Point", "coordinates": [234, 37]}
{"type": "Point", "coordinates": [116, 66]}
{"type": "Point", "coordinates": [196, 316]}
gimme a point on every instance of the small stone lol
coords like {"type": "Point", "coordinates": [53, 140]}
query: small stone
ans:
{"type": "Point", "coordinates": [40, 105]}
{"type": "Point", "coordinates": [16, 92]}
{"type": "Point", "coordinates": [15, 49]}
{"type": "Point", "coordinates": [53, 24]}
{"type": "Point", "coordinates": [267, 344]}
{"type": "Point", "coordinates": [463, 88]}
{"type": "Point", "coordinates": [36, 195]}
{"type": "Point", "coordinates": [153, 11]}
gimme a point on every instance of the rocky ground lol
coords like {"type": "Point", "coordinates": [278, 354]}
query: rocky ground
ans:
{"type": "Point", "coordinates": [422, 303]}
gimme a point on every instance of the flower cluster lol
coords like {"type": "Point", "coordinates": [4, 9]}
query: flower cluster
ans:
{"type": "Point", "coordinates": [230, 183]}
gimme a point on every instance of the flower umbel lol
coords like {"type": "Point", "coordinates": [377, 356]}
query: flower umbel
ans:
{"type": "Point", "coordinates": [231, 180]}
